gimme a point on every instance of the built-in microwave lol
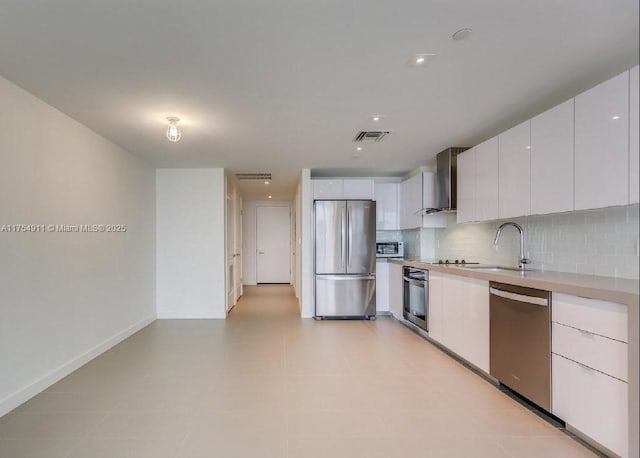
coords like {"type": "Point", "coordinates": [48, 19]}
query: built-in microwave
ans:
{"type": "Point", "coordinates": [389, 250]}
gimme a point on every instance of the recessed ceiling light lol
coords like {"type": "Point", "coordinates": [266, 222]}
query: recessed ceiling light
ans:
{"type": "Point", "coordinates": [462, 34]}
{"type": "Point", "coordinates": [359, 148]}
{"type": "Point", "coordinates": [266, 182]}
{"type": "Point", "coordinates": [376, 118]}
{"type": "Point", "coordinates": [270, 197]}
{"type": "Point", "coordinates": [616, 117]}
{"type": "Point", "coordinates": [421, 59]}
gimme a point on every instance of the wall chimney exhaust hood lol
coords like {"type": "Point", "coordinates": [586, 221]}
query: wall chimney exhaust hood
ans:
{"type": "Point", "coordinates": [446, 181]}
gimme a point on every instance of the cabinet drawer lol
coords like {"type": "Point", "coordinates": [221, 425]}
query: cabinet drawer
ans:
{"type": "Point", "coordinates": [599, 317]}
{"type": "Point", "coordinates": [591, 402]}
{"type": "Point", "coordinates": [601, 353]}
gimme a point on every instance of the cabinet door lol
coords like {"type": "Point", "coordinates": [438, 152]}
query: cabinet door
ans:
{"type": "Point", "coordinates": [592, 402]}
{"type": "Point", "coordinates": [386, 197]}
{"type": "Point", "coordinates": [602, 145]}
{"type": "Point", "coordinates": [467, 186]}
{"type": "Point", "coordinates": [436, 307]}
{"type": "Point", "coordinates": [514, 163]}
{"type": "Point", "coordinates": [476, 318]}
{"type": "Point", "coordinates": [358, 189]}
{"type": "Point", "coordinates": [411, 202]}
{"type": "Point", "coordinates": [455, 314]}
{"type": "Point", "coordinates": [634, 123]}
{"type": "Point", "coordinates": [552, 160]}
{"type": "Point", "coordinates": [395, 290]}
{"type": "Point", "coordinates": [382, 286]}
{"type": "Point", "coordinates": [328, 189]}
{"type": "Point", "coordinates": [487, 180]}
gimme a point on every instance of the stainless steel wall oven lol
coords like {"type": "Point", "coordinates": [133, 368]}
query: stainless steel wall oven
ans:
{"type": "Point", "coordinates": [416, 296]}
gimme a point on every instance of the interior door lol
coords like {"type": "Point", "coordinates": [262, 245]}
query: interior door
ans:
{"type": "Point", "coordinates": [238, 249]}
{"type": "Point", "coordinates": [274, 244]}
{"type": "Point", "coordinates": [361, 237]}
{"type": "Point", "coordinates": [231, 258]}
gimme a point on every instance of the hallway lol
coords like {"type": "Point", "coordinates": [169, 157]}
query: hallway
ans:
{"type": "Point", "coordinates": [265, 383]}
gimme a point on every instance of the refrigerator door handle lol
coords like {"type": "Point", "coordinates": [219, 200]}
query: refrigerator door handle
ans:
{"type": "Point", "coordinates": [350, 232]}
{"type": "Point", "coordinates": [343, 236]}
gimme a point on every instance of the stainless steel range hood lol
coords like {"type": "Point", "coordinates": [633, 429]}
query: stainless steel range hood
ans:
{"type": "Point", "coordinates": [446, 180]}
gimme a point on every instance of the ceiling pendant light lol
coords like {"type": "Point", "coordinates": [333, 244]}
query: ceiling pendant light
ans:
{"type": "Point", "coordinates": [173, 131]}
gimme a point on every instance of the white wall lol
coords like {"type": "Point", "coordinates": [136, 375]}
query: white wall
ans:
{"type": "Point", "coordinates": [67, 297]}
{"type": "Point", "coordinates": [249, 236]}
{"type": "Point", "coordinates": [190, 241]}
{"type": "Point", "coordinates": [297, 237]}
{"type": "Point", "coordinates": [307, 307]}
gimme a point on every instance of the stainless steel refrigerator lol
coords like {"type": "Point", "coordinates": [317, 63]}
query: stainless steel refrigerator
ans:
{"type": "Point", "coordinates": [345, 258]}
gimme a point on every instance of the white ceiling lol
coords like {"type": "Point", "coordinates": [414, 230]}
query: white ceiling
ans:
{"type": "Point", "coordinates": [280, 85]}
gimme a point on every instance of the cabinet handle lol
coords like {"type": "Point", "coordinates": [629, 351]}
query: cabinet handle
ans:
{"type": "Point", "coordinates": [586, 368]}
{"type": "Point", "coordinates": [587, 334]}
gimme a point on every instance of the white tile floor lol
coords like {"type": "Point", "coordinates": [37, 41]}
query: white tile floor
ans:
{"type": "Point", "coordinates": [265, 383]}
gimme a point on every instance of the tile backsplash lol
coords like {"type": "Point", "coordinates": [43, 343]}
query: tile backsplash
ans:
{"type": "Point", "coordinates": [601, 242]}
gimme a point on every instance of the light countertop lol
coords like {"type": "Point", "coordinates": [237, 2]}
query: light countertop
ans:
{"type": "Point", "coordinates": [620, 290]}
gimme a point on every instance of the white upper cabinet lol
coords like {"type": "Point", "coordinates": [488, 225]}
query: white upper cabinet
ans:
{"type": "Point", "coordinates": [343, 189]}
{"type": "Point", "coordinates": [487, 180]}
{"type": "Point", "coordinates": [602, 145]}
{"type": "Point", "coordinates": [514, 162]}
{"type": "Point", "coordinates": [386, 197]}
{"type": "Point", "coordinates": [552, 160]}
{"type": "Point", "coordinates": [411, 202]}
{"type": "Point", "coordinates": [467, 186]}
{"type": "Point", "coordinates": [328, 189]}
{"type": "Point", "coordinates": [358, 189]}
{"type": "Point", "coordinates": [634, 122]}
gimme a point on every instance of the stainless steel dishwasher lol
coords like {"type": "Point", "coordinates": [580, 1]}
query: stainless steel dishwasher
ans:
{"type": "Point", "coordinates": [520, 336]}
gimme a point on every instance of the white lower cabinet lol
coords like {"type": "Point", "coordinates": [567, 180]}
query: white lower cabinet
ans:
{"type": "Point", "coordinates": [382, 286]}
{"type": "Point", "coordinates": [395, 289]}
{"type": "Point", "coordinates": [459, 316]}
{"type": "Point", "coordinates": [604, 318]}
{"type": "Point", "coordinates": [592, 350]}
{"type": "Point", "coordinates": [592, 402]}
{"type": "Point", "coordinates": [589, 368]}
{"type": "Point", "coordinates": [437, 327]}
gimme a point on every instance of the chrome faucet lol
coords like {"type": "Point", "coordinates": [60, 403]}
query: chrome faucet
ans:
{"type": "Point", "coordinates": [523, 261]}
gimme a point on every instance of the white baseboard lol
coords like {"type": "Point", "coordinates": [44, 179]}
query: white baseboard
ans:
{"type": "Point", "coordinates": [190, 316]}
{"type": "Point", "coordinates": [24, 394]}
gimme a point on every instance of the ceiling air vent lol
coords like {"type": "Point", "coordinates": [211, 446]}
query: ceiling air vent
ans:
{"type": "Point", "coordinates": [370, 136]}
{"type": "Point", "coordinates": [263, 176]}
